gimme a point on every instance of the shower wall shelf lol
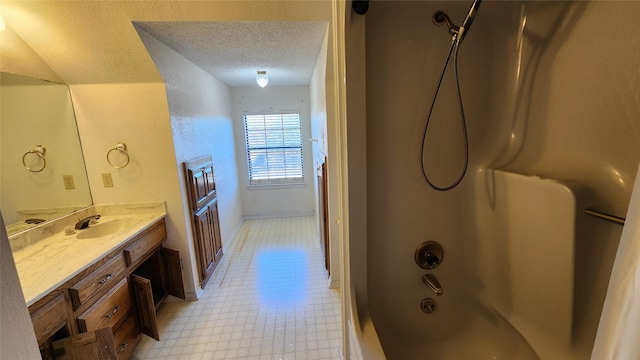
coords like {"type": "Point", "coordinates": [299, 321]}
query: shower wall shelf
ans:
{"type": "Point", "coordinates": [604, 216]}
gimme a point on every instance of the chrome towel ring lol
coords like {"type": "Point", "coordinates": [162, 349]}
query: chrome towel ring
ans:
{"type": "Point", "coordinates": [39, 152]}
{"type": "Point", "coordinates": [121, 148]}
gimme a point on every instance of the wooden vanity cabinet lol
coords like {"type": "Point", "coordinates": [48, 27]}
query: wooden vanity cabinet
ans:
{"type": "Point", "coordinates": [204, 211]}
{"type": "Point", "coordinates": [102, 310]}
{"type": "Point", "coordinates": [57, 336]}
{"type": "Point", "coordinates": [52, 321]}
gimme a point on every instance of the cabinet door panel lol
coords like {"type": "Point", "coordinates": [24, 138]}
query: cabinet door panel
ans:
{"type": "Point", "coordinates": [323, 213]}
{"type": "Point", "coordinates": [173, 273]}
{"type": "Point", "coordinates": [199, 186]}
{"type": "Point", "coordinates": [50, 318]}
{"type": "Point", "coordinates": [126, 339]}
{"type": "Point", "coordinates": [211, 184]}
{"type": "Point", "coordinates": [97, 344]}
{"type": "Point", "coordinates": [200, 181]}
{"type": "Point", "coordinates": [146, 309]}
{"type": "Point", "coordinates": [204, 243]}
{"type": "Point", "coordinates": [217, 239]}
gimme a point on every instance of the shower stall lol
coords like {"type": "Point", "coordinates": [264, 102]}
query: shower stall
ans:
{"type": "Point", "coordinates": [551, 94]}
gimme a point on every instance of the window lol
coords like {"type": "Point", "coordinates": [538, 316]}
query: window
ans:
{"type": "Point", "coordinates": [274, 148]}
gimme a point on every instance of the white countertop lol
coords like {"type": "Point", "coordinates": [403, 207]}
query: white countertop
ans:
{"type": "Point", "coordinates": [51, 261]}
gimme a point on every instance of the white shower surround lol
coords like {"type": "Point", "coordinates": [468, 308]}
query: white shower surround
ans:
{"type": "Point", "coordinates": [557, 99]}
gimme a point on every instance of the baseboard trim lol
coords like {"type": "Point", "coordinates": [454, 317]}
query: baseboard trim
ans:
{"type": "Point", "coordinates": [296, 214]}
{"type": "Point", "coordinates": [226, 245]}
{"type": "Point", "coordinates": [334, 283]}
{"type": "Point", "coordinates": [189, 296]}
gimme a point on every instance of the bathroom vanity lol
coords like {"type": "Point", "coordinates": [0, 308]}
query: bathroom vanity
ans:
{"type": "Point", "coordinates": [99, 308]}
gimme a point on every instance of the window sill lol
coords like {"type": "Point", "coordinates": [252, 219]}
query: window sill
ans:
{"type": "Point", "coordinates": [276, 186]}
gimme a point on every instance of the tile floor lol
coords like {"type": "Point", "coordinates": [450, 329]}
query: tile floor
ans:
{"type": "Point", "coordinates": [268, 299]}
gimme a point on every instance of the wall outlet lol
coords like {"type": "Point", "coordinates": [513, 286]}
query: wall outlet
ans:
{"type": "Point", "coordinates": [69, 183]}
{"type": "Point", "coordinates": [107, 181]}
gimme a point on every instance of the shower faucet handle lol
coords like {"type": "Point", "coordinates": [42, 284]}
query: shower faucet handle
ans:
{"type": "Point", "coordinates": [429, 255]}
{"type": "Point", "coordinates": [431, 259]}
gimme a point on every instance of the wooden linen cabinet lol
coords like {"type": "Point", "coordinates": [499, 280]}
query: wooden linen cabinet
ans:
{"type": "Point", "coordinates": [323, 213]}
{"type": "Point", "coordinates": [203, 204]}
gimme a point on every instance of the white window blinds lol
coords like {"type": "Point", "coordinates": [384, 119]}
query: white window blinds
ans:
{"type": "Point", "coordinates": [274, 148]}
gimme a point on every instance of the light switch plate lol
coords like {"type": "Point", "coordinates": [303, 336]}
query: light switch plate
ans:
{"type": "Point", "coordinates": [107, 181]}
{"type": "Point", "coordinates": [69, 183]}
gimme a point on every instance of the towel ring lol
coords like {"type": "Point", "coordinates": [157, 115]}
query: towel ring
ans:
{"type": "Point", "coordinates": [39, 151]}
{"type": "Point", "coordinates": [120, 147]}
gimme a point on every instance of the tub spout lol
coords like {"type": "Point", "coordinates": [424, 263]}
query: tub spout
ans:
{"type": "Point", "coordinates": [433, 283]}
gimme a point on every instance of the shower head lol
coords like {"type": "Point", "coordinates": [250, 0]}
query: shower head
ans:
{"type": "Point", "coordinates": [466, 24]}
{"type": "Point", "coordinates": [458, 32]}
{"type": "Point", "coordinates": [439, 18]}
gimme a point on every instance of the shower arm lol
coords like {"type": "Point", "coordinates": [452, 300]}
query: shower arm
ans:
{"type": "Point", "coordinates": [439, 18]}
{"type": "Point", "coordinates": [458, 32]}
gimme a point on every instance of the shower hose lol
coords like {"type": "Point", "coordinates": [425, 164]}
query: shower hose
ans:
{"type": "Point", "coordinates": [453, 49]}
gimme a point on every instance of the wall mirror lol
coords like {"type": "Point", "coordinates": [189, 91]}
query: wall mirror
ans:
{"type": "Point", "coordinates": [42, 170]}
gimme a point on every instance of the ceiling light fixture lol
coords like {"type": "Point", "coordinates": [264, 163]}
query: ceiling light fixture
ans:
{"type": "Point", "coordinates": [262, 79]}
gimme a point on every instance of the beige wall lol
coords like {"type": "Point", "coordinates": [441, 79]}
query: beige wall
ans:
{"type": "Point", "coordinates": [322, 117]}
{"type": "Point", "coordinates": [201, 124]}
{"type": "Point", "coordinates": [20, 59]}
{"type": "Point", "coordinates": [273, 200]}
{"type": "Point", "coordinates": [136, 114]}
{"type": "Point", "coordinates": [93, 42]}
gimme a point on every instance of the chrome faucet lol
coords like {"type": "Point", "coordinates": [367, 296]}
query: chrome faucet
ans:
{"type": "Point", "coordinates": [34, 221]}
{"type": "Point", "coordinates": [84, 223]}
{"type": "Point", "coordinates": [433, 283]}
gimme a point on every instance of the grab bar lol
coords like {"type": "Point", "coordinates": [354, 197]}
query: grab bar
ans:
{"type": "Point", "coordinates": [604, 216]}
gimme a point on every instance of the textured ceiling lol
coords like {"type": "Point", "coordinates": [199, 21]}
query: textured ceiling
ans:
{"type": "Point", "coordinates": [96, 42]}
{"type": "Point", "coordinates": [234, 51]}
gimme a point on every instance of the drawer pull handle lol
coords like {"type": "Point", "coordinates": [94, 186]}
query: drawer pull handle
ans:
{"type": "Point", "coordinates": [122, 347]}
{"type": "Point", "coordinates": [113, 312]}
{"type": "Point", "coordinates": [105, 279]}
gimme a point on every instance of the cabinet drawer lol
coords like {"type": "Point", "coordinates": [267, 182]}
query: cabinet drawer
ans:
{"type": "Point", "coordinates": [146, 244]}
{"type": "Point", "coordinates": [97, 282]}
{"type": "Point", "coordinates": [50, 318]}
{"type": "Point", "coordinates": [126, 338]}
{"type": "Point", "coordinates": [108, 311]}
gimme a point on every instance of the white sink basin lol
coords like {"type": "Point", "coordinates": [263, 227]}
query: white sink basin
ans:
{"type": "Point", "coordinates": [105, 228]}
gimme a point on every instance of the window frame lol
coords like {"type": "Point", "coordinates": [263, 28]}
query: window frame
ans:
{"type": "Point", "coordinates": [275, 181]}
